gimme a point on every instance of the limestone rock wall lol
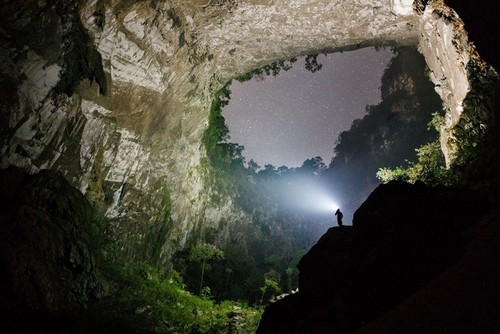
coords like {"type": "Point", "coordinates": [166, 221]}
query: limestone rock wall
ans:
{"type": "Point", "coordinates": [136, 151]}
{"type": "Point", "coordinates": [447, 50]}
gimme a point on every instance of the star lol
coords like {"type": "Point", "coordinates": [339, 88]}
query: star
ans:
{"type": "Point", "coordinates": [297, 115]}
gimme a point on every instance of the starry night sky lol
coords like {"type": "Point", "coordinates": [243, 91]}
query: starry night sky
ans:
{"type": "Point", "coordinates": [297, 115]}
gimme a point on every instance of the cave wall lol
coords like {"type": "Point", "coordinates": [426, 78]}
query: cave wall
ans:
{"type": "Point", "coordinates": [124, 125]}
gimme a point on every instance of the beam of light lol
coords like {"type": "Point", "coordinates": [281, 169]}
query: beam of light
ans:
{"type": "Point", "coordinates": [313, 198]}
{"type": "Point", "coordinates": [325, 203]}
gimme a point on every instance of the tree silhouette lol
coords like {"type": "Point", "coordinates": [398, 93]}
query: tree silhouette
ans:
{"type": "Point", "coordinates": [312, 64]}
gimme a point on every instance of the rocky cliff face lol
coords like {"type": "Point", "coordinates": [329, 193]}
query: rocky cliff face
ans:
{"type": "Point", "coordinates": [115, 94]}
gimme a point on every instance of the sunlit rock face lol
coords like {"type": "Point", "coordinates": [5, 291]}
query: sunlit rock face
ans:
{"type": "Point", "coordinates": [135, 151]}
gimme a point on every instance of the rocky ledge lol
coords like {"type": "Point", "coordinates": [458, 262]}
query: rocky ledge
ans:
{"type": "Point", "coordinates": [417, 259]}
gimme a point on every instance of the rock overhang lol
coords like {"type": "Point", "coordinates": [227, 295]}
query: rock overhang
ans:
{"type": "Point", "coordinates": [164, 62]}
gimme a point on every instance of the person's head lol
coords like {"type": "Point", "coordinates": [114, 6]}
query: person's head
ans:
{"type": "Point", "coordinates": [338, 210]}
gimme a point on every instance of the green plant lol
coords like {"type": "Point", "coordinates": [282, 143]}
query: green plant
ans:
{"type": "Point", "coordinates": [272, 69]}
{"type": "Point", "coordinates": [269, 285]}
{"type": "Point", "coordinates": [429, 168]}
{"type": "Point", "coordinates": [474, 135]}
{"type": "Point", "coordinates": [430, 165]}
{"type": "Point", "coordinates": [203, 252]}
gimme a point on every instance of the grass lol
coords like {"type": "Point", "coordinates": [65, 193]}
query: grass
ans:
{"type": "Point", "coordinates": [143, 301]}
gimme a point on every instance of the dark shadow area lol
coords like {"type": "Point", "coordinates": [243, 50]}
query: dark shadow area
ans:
{"type": "Point", "coordinates": [433, 244]}
{"type": "Point", "coordinates": [61, 271]}
{"type": "Point", "coordinates": [418, 259]}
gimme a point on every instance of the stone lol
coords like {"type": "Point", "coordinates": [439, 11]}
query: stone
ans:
{"type": "Point", "coordinates": [408, 263]}
{"type": "Point", "coordinates": [161, 64]}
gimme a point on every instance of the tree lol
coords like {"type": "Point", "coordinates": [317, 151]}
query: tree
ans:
{"type": "Point", "coordinates": [313, 166]}
{"type": "Point", "coordinates": [312, 64]}
{"type": "Point", "coordinates": [282, 170]}
{"type": "Point", "coordinates": [269, 172]}
{"type": "Point", "coordinates": [203, 252]}
{"type": "Point", "coordinates": [269, 284]}
{"type": "Point", "coordinates": [253, 166]}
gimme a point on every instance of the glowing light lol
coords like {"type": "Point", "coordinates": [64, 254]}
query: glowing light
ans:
{"type": "Point", "coordinates": [327, 204]}
{"type": "Point", "coordinates": [312, 198]}
{"type": "Point", "coordinates": [320, 200]}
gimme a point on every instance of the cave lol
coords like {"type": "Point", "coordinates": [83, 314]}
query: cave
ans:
{"type": "Point", "coordinates": [112, 100]}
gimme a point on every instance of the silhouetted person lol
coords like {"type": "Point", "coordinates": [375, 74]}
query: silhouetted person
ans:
{"type": "Point", "coordinates": [339, 217]}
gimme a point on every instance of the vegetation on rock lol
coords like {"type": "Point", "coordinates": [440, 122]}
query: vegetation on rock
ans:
{"type": "Point", "coordinates": [74, 275]}
{"type": "Point", "coordinates": [473, 138]}
{"type": "Point", "coordinates": [283, 222]}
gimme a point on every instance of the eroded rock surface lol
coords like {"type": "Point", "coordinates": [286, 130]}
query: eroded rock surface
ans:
{"type": "Point", "coordinates": [135, 151]}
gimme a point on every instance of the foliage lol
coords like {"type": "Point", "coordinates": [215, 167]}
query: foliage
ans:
{"type": "Point", "coordinates": [222, 155]}
{"type": "Point", "coordinates": [142, 300]}
{"type": "Point", "coordinates": [203, 252]}
{"type": "Point", "coordinates": [429, 168]}
{"type": "Point", "coordinates": [311, 64]}
{"type": "Point", "coordinates": [148, 302]}
{"type": "Point", "coordinates": [474, 135]}
{"type": "Point", "coordinates": [386, 174]}
{"type": "Point", "coordinates": [272, 69]}
{"type": "Point", "coordinates": [269, 285]}
{"type": "Point", "coordinates": [472, 138]}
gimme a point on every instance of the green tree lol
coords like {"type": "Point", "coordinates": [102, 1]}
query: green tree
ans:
{"type": "Point", "coordinates": [203, 252]}
{"type": "Point", "coordinates": [313, 166]}
{"type": "Point", "coordinates": [253, 166]}
{"type": "Point", "coordinates": [429, 168]}
{"type": "Point", "coordinates": [269, 285]}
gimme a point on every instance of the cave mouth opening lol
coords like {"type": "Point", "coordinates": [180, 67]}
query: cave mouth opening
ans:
{"type": "Point", "coordinates": [283, 203]}
{"type": "Point", "coordinates": [298, 109]}
{"type": "Point", "coordinates": [343, 115]}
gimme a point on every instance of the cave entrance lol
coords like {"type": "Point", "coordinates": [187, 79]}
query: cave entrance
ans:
{"type": "Point", "coordinates": [289, 208]}
{"type": "Point", "coordinates": [308, 133]}
{"type": "Point", "coordinates": [299, 113]}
